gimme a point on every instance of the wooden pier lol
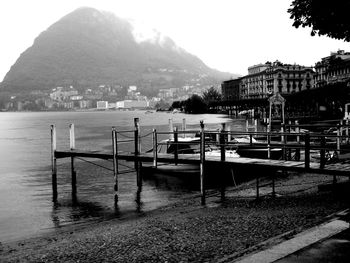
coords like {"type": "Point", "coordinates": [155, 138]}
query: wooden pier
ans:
{"type": "Point", "coordinates": [293, 143]}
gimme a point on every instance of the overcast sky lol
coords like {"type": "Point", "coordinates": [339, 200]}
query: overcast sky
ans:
{"type": "Point", "coordinates": [228, 35]}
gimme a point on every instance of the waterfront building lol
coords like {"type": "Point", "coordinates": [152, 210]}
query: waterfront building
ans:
{"type": "Point", "coordinates": [132, 104]}
{"type": "Point", "coordinates": [230, 89]}
{"type": "Point", "coordinates": [263, 80]}
{"type": "Point", "coordinates": [102, 105]}
{"type": "Point", "coordinates": [332, 69]}
{"type": "Point", "coordinates": [288, 79]}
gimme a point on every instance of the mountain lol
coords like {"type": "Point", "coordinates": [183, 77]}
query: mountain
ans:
{"type": "Point", "coordinates": [89, 47]}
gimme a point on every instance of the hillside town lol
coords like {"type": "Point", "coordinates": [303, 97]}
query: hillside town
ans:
{"type": "Point", "coordinates": [103, 97]}
{"type": "Point", "coordinates": [239, 94]}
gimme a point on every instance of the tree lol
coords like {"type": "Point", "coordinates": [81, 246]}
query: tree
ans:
{"type": "Point", "coordinates": [330, 18]}
{"type": "Point", "coordinates": [211, 95]}
{"type": "Point", "coordinates": [195, 104]}
{"type": "Point", "coordinates": [162, 106]}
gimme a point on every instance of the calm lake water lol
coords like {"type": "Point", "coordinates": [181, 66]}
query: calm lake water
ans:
{"type": "Point", "coordinates": [26, 206]}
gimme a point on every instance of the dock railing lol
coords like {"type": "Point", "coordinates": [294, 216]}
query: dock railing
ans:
{"type": "Point", "coordinates": [306, 148]}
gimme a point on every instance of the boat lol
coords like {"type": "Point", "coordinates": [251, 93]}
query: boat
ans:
{"type": "Point", "coordinates": [249, 147]}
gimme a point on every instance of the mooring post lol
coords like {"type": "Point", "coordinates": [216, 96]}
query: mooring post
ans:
{"type": "Point", "coordinates": [341, 131]}
{"type": "Point", "coordinates": [115, 160]}
{"type": "Point", "coordinates": [222, 143]}
{"type": "Point", "coordinates": [202, 160]}
{"type": "Point", "coordinates": [54, 163]}
{"type": "Point", "coordinates": [184, 127]}
{"type": "Point", "coordinates": [223, 157]}
{"type": "Point", "coordinates": [347, 130]}
{"type": "Point", "coordinates": [323, 151]}
{"type": "Point", "coordinates": [297, 151]}
{"type": "Point", "coordinates": [155, 146]}
{"type": "Point", "coordinates": [176, 149]}
{"type": "Point", "coordinates": [268, 145]}
{"type": "Point", "coordinates": [338, 139]}
{"type": "Point", "coordinates": [307, 150]}
{"type": "Point", "coordinates": [282, 141]}
{"type": "Point", "coordinates": [73, 172]}
{"type": "Point", "coordinates": [138, 163]}
{"type": "Point", "coordinates": [228, 133]}
{"type": "Point", "coordinates": [171, 129]}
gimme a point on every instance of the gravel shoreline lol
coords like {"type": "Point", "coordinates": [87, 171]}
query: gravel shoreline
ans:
{"type": "Point", "coordinates": [188, 232]}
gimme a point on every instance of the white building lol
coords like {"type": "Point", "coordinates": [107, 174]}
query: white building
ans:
{"type": "Point", "coordinates": [102, 105]}
{"type": "Point", "coordinates": [128, 104]}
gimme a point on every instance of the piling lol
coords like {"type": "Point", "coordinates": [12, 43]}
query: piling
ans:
{"type": "Point", "coordinates": [347, 130]}
{"type": "Point", "coordinates": [115, 160]}
{"type": "Point", "coordinates": [307, 150]}
{"type": "Point", "coordinates": [202, 160]}
{"type": "Point", "coordinates": [54, 163]}
{"type": "Point", "coordinates": [184, 127]}
{"type": "Point", "coordinates": [223, 157]}
{"type": "Point", "coordinates": [297, 151]}
{"type": "Point", "coordinates": [338, 139]}
{"type": "Point", "coordinates": [171, 129]}
{"type": "Point", "coordinates": [268, 145]}
{"type": "Point", "coordinates": [73, 172]}
{"type": "Point", "coordinates": [137, 162]}
{"type": "Point", "coordinates": [155, 146]}
{"type": "Point", "coordinates": [323, 152]}
{"type": "Point", "coordinates": [176, 144]}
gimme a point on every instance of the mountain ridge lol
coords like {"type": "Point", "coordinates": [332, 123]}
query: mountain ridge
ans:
{"type": "Point", "coordinates": [88, 47]}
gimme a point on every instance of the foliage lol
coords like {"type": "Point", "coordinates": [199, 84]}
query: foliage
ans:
{"type": "Point", "coordinates": [178, 104]}
{"type": "Point", "coordinates": [211, 95]}
{"type": "Point", "coordinates": [330, 18]}
{"type": "Point", "coordinates": [162, 106]}
{"type": "Point", "coordinates": [195, 104]}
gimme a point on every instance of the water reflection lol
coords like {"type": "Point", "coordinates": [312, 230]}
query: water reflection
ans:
{"type": "Point", "coordinates": [25, 181]}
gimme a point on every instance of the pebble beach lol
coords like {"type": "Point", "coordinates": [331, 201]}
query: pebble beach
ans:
{"type": "Point", "coordinates": [220, 231]}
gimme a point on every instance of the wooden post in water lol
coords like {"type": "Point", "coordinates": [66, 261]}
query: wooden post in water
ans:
{"type": "Point", "coordinates": [222, 142]}
{"type": "Point", "coordinates": [155, 146]}
{"type": "Point", "coordinates": [171, 129]}
{"type": "Point", "coordinates": [115, 160]}
{"type": "Point", "coordinates": [341, 131]}
{"type": "Point", "coordinates": [54, 163]}
{"type": "Point", "coordinates": [176, 145]}
{"type": "Point", "coordinates": [184, 127]}
{"type": "Point", "coordinates": [202, 160]}
{"type": "Point", "coordinates": [228, 133]}
{"type": "Point", "coordinates": [307, 150]}
{"type": "Point", "coordinates": [347, 130]}
{"type": "Point", "coordinates": [73, 172]}
{"type": "Point", "coordinates": [268, 145]}
{"type": "Point", "coordinates": [283, 128]}
{"type": "Point", "coordinates": [297, 151]}
{"type": "Point", "coordinates": [338, 139]}
{"type": "Point", "coordinates": [137, 151]}
{"type": "Point", "coordinates": [323, 152]}
{"type": "Point", "coordinates": [223, 157]}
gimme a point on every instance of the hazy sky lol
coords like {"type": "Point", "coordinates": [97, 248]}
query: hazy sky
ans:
{"type": "Point", "coordinates": [228, 35]}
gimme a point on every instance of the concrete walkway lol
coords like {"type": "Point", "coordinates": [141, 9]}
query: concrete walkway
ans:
{"type": "Point", "coordinates": [300, 241]}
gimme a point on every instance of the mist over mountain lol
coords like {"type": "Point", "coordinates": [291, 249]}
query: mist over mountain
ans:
{"type": "Point", "coordinates": [89, 47]}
